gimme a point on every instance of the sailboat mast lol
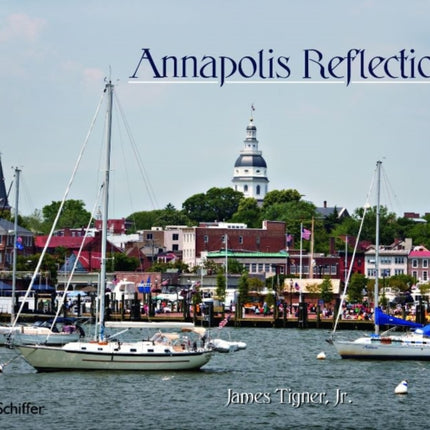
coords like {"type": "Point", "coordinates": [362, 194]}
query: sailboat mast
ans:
{"type": "Point", "coordinates": [15, 239]}
{"type": "Point", "coordinates": [378, 198]}
{"type": "Point", "coordinates": [109, 90]}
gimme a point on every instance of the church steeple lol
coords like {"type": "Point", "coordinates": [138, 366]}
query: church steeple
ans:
{"type": "Point", "coordinates": [250, 169]}
{"type": "Point", "coordinates": [4, 203]}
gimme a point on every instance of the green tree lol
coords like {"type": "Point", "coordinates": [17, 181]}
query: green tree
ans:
{"type": "Point", "coordinates": [248, 213]}
{"type": "Point", "coordinates": [243, 289]}
{"type": "Point", "coordinates": [171, 216]}
{"type": "Point", "coordinates": [121, 262]}
{"type": "Point", "coordinates": [218, 204]}
{"type": "Point", "coordinates": [33, 222]}
{"type": "Point", "coordinates": [281, 196]}
{"type": "Point", "coordinates": [220, 290]}
{"type": "Point", "coordinates": [326, 290]}
{"type": "Point", "coordinates": [73, 215]}
{"type": "Point", "coordinates": [159, 266]}
{"type": "Point", "coordinates": [234, 266]}
{"type": "Point", "coordinates": [255, 284]}
{"type": "Point", "coordinates": [356, 287]}
{"type": "Point", "coordinates": [143, 220]}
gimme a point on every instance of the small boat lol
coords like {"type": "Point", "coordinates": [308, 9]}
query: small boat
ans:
{"type": "Point", "coordinates": [222, 345]}
{"type": "Point", "coordinates": [411, 345]}
{"type": "Point", "coordinates": [48, 332]}
{"type": "Point", "coordinates": [162, 351]}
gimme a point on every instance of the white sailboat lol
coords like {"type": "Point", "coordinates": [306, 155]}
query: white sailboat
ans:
{"type": "Point", "coordinates": [50, 334]}
{"type": "Point", "coordinates": [162, 351]}
{"type": "Point", "coordinates": [412, 345]}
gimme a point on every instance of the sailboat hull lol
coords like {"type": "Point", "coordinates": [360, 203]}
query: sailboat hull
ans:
{"type": "Point", "coordinates": [385, 348]}
{"type": "Point", "coordinates": [136, 356]}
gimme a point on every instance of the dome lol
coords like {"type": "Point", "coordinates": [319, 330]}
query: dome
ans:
{"type": "Point", "coordinates": [251, 160]}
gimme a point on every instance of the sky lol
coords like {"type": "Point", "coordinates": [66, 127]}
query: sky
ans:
{"type": "Point", "coordinates": [319, 134]}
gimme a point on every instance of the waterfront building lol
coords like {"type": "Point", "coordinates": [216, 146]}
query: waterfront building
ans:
{"type": "Point", "coordinates": [209, 237]}
{"type": "Point", "coordinates": [393, 259]}
{"type": "Point", "coordinates": [418, 264]}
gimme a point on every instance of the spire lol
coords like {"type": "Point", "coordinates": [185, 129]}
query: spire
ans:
{"type": "Point", "coordinates": [4, 203]}
{"type": "Point", "coordinates": [250, 168]}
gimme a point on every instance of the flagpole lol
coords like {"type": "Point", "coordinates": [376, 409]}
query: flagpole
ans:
{"type": "Point", "coordinates": [311, 258]}
{"type": "Point", "coordinates": [301, 260]}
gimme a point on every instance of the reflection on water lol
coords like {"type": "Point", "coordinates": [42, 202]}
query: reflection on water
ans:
{"type": "Point", "coordinates": [277, 383]}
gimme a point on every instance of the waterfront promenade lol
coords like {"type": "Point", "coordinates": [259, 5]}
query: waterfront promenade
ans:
{"type": "Point", "coordinates": [249, 320]}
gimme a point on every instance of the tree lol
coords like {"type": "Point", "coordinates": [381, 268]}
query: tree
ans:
{"type": "Point", "coordinates": [171, 216]}
{"type": "Point", "coordinates": [121, 262]}
{"type": "Point", "coordinates": [255, 284]}
{"type": "Point", "coordinates": [33, 222]}
{"type": "Point", "coordinates": [234, 266]}
{"type": "Point", "coordinates": [281, 196]}
{"type": "Point", "coordinates": [326, 290]}
{"type": "Point", "coordinates": [243, 289]}
{"type": "Point", "coordinates": [220, 286]}
{"type": "Point", "coordinates": [73, 215]}
{"type": "Point", "coordinates": [218, 204]}
{"type": "Point", "coordinates": [248, 213]}
{"type": "Point", "coordinates": [356, 287]}
{"type": "Point", "coordinates": [144, 220]}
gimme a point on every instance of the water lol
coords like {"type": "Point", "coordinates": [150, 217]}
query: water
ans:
{"type": "Point", "coordinates": [276, 360]}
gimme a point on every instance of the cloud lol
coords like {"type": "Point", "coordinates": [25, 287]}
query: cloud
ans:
{"type": "Point", "coordinates": [21, 27]}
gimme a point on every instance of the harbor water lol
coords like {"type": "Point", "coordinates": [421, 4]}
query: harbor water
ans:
{"type": "Point", "coordinates": [276, 383]}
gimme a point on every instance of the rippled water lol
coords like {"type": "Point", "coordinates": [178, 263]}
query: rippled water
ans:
{"type": "Point", "coordinates": [276, 361]}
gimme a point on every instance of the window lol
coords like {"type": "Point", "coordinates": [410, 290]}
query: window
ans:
{"type": "Point", "coordinates": [149, 236]}
{"type": "Point", "coordinates": [414, 263]}
{"type": "Point", "coordinates": [245, 188]}
{"type": "Point", "coordinates": [175, 247]}
{"type": "Point", "coordinates": [258, 190]}
{"type": "Point", "coordinates": [425, 263]}
{"type": "Point", "coordinates": [254, 268]}
{"type": "Point", "coordinates": [175, 236]}
{"type": "Point", "coordinates": [241, 240]}
{"type": "Point", "coordinates": [425, 275]}
{"type": "Point", "coordinates": [206, 238]}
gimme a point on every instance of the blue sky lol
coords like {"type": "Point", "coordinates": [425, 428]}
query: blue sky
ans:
{"type": "Point", "coordinates": [321, 139]}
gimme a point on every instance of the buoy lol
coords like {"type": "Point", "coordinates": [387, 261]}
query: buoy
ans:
{"type": "Point", "coordinates": [402, 388]}
{"type": "Point", "coordinates": [321, 355]}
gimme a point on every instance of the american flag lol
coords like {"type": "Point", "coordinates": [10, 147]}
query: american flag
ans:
{"type": "Point", "coordinates": [306, 234]}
